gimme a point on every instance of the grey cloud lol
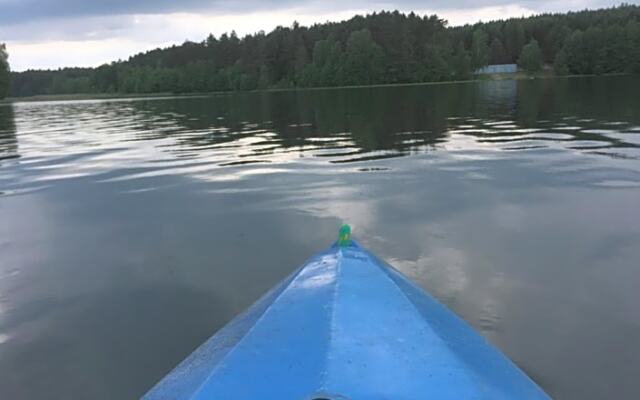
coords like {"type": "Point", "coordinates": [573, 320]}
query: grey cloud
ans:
{"type": "Point", "coordinates": [84, 28]}
{"type": "Point", "coordinates": [21, 11]}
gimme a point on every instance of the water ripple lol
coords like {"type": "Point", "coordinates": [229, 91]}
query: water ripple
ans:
{"type": "Point", "coordinates": [144, 138]}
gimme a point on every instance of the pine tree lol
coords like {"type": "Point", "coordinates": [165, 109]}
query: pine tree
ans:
{"type": "Point", "coordinates": [560, 66]}
{"type": "Point", "coordinates": [461, 63]}
{"type": "Point", "coordinates": [531, 57]}
{"type": "Point", "coordinates": [4, 71]}
{"type": "Point", "coordinates": [479, 49]}
{"type": "Point", "coordinates": [363, 59]}
{"type": "Point", "coordinates": [497, 53]}
{"type": "Point", "coordinates": [633, 44]}
{"type": "Point", "coordinates": [434, 66]}
{"type": "Point", "coordinates": [514, 38]}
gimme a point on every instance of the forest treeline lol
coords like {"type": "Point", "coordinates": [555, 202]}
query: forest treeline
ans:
{"type": "Point", "coordinates": [379, 48]}
{"type": "Point", "coordinates": [4, 71]}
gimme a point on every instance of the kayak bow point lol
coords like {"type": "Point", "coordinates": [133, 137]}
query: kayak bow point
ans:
{"type": "Point", "coordinates": [346, 325]}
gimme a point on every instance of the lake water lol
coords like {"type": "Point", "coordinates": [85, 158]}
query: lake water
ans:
{"type": "Point", "coordinates": [131, 230]}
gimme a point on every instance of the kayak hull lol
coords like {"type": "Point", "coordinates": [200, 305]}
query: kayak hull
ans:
{"type": "Point", "coordinates": [346, 325]}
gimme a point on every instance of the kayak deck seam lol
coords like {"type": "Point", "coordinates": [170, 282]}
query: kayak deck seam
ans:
{"type": "Point", "coordinates": [334, 296]}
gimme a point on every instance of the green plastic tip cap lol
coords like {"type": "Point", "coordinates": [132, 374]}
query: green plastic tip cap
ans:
{"type": "Point", "coordinates": [344, 235]}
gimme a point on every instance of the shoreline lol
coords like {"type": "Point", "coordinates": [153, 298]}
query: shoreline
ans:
{"type": "Point", "coordinates": [113, 96]}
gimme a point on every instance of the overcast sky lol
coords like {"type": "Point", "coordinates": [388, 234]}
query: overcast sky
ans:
{"type": "Point", "coordinates": [58, 33]}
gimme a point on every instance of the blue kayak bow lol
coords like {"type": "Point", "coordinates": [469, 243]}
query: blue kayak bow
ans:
{"type": "Point", "coordinates": [346, 325]}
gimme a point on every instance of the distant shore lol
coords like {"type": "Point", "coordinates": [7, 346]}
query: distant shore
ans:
{"type": "Point", "coordinates": [82, 96]}
{"type": "Point", "coordinates": [106, 96]}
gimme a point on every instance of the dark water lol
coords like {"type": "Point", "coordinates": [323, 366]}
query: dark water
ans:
{"type": "Point", "coordinates": [131, 230]}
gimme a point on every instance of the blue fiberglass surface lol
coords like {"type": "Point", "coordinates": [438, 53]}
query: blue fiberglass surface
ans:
{"type": "Point", "coordinates": [346, 325]}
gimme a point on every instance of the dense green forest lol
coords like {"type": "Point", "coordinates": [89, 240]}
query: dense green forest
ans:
{"type": "Point", "coordinates": [385, 47]}
{"type": "Point", "coordinates": [4, 71]}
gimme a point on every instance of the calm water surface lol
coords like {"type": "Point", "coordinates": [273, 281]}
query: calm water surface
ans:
{"type": "Point", "coordinates": [130, 230]}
